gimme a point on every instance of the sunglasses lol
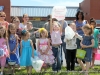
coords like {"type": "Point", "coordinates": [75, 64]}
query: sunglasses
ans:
{"type": "Point", "coordinates": [2, 16]}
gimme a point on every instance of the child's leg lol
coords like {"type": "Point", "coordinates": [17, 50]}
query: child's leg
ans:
{"type": "Point", "coordinates": [87, 67]}
{"type": "Point", "coordinates": [81, 64]}
{"type": "Point", "coordinates": [54, 67]}
{"type": "Point", "coordinates": [3, 62]}
{"type": "Point", "coordinates": [30, 70]}
{"type": "Point", "coordinates": [27, 68]}
{"type": "Point", "coordinates": [68, 59]}
{"type": "Point", "coordinates": [73, 57]}
{"type": "Point", "coordinates": [13, 68]}
{"type": "Point", "coordinates": [93, 60]}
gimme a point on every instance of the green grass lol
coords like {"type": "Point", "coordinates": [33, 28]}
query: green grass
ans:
{"type": "Point", "coordinates": [95, 71]}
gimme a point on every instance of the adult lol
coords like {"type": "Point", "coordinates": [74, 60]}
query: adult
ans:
{"type": "Point", "coordinates": [63, 45]}
{"type": "Point", "coordinates": [47, 24]}
{"type": "Point", "coordinates": [2, 20]}
{"type": "Point", "coordinates": [23, 25]}
{"type": "Point", "coordinates": [80, 22]}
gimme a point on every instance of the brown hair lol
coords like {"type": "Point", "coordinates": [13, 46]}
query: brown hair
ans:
{"type": "Point", "coordinates": [5, 34]}
{"type": "Point", "coordinates": [87, 26]}
{"type": "Point", "coordinates": [92, 20]}
{"type": "Point", "coordinates": [11, 25]}
{"type": "Point", "coordinates": [14, 18]}
{"type": "Point", "coordinates": [44, 31]}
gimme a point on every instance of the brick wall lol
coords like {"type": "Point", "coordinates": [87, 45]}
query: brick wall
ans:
{"type": "Point", "coordinates": [91, 8]}
{"type": "Point", "coordinates": [6, 4]}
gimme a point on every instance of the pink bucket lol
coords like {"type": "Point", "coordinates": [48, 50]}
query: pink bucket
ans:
{"type": "Point", "coordinates": [97, 55]}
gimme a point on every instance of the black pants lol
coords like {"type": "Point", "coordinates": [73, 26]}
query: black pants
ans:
{"type": "Point", "coordinates": [34, 46]}
{"type": "Point", "coordinates": [71, 56]}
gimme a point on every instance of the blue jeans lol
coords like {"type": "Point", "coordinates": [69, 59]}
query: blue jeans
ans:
{"type": "Point", "coordinates": [63, 46]}
{"type": "Point", "coordinates": [57, 65]}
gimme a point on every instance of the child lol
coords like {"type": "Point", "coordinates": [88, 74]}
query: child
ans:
{"type": "Point", "coordinates": [13, 44]}
{"type": "Point", "coordinates": [44, 50]}
{"type": "Point", "coordinates": [56, 32]}
{"type": "Point", "coordinates": [27, 51]}
{"type": "Point", "coordinates": [31, 29]}
{"type": "Point", "coordinates": [4, 48]}
{"type": "Point", "coordinates": [71, 49]}
{"type": "Point", "coordinates": [87, 44]}
{"type": "Point", "coordinates": [95, 34]}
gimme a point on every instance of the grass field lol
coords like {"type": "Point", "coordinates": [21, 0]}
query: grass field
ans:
{"type": "Point", "coordinates": [95, 71]}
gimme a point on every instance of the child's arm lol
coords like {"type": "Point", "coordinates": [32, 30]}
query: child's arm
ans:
{"type": "Point", "coordinates": [32, 48]}
{"type": "Point", "coordinates": [47, 47]}
{"type": "Point", "coordinates": [91, 44]}
{"type": "Point", "coordinates": [16, 44]}
{"type": "Point", "coordinates": [7, 45]}
{"type": "Point", "coordinates": [78, 36]}
{"type": "Point", "coordinates": [51, 28]}
{"type": "Point", "coordinates": [39, 47]}
{"type": "Point", "coordinates": [21, 47]}
{"type": "Point", "coordinates": [61, 27]}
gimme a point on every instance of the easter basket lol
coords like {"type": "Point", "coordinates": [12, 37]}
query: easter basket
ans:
{"type": "Point", "coordinates": [80, 53]}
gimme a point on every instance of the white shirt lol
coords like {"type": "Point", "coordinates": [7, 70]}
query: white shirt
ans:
{"type": "Point", "coordinates": [71, 44]}
{"type": "Point", "coordinates": [22, 26]}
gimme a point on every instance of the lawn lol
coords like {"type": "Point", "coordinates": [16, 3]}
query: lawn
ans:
{"type": "Point", "coordinates": [95, 71]}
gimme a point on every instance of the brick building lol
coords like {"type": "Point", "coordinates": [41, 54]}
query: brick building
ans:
{"type": "Point", "coordinates": [91, 8]}
{"type": "Point", "coordinates": [5, 6]}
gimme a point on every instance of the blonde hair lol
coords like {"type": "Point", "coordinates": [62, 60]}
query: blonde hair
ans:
{"type": "Point", "coordinates": [43, 30]}
{"type": "Point", "coordinates": [5, 34]}
{"type": "Point", "coordinates": [2, 13]}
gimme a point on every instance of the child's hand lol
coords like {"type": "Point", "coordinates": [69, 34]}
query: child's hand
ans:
{"type": "Point", "coordinates": [83, 46]}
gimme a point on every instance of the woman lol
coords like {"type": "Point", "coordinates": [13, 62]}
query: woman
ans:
{"type": "Point", "coordinates": [80, 22]}
{"type": "Point", "coordinates": [23, 25]}
{"type": "Point", "coordinates": [2, 20]}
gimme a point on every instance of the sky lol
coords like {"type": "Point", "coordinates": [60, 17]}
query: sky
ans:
{"type": "Point", "coordinates": [45, 2]}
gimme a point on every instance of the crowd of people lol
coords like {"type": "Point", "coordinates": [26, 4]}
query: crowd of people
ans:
{"type": "Point", "coordinates": [18, 42]}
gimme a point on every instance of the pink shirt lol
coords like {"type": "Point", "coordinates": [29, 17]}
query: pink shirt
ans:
{"type": "Point", "coordinates": [56, 37]}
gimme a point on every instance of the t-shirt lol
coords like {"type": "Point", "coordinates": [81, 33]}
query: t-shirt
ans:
{"type": "Point", "coordinates": [71, 44]}
{"type": "Point", "coordinates": [64, 26]}
{"type": "Point", "coordinates": [80, 32]}
{"type": "Point", "coordinates": [95, 35]}
{"type": "Point", "coordinates": [56, 37]}
{"type": "Point", "coordinates": [22, 26]}
{"type": "Point", "coordinates": [32, 35]}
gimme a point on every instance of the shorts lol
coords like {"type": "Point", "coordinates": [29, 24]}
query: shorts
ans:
{"type": "Point", "coordinates": [94, 51]}
{"type": "Point", "coordinates": [3, 61]}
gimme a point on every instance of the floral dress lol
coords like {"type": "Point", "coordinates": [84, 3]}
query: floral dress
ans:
{"type": "Point", "coordinates": [47, 58]}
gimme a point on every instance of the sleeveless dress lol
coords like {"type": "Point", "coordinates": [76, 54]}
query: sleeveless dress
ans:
{"type": "Point", "coordinates": [25, 59]}
{"type": "Point", "coordinates": [49, 58]}
{"type": "Point", "coordinates": [4, 53]}
{"type": "Point", "coordinates": [12, 45]}
{"type": "Point", "coordinates": [56, 37]}
{"type": "Point", "coordinates": [87, 41]}
{"type": "Point", "coordinates": [3, 47]}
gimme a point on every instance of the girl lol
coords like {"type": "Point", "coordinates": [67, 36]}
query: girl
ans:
{"type": "Point", "coordinates": [4, 48]}
{"type": "Point", "coordinates": [2, 20]}
{"type": "Point", "coordinates": [43, 46]}
{"type": "Point", "coordinates": [56, 31]}
{"type": "Point", "coordinates": [25, 20]}
{"type": "Point", "coordinates": [71, 49]}
{"type": "Point", "coordinates": [87, 44]}
{"type": "Point", "coordinates": [13, 44]}
{"type": "Point", "coordinates": [95, 34]}
{"type": "Point", "coordinates": [26, 51]}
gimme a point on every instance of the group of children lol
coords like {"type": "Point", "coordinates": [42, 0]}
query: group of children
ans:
{"type": "Point", "coordinates": [48, 49]}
